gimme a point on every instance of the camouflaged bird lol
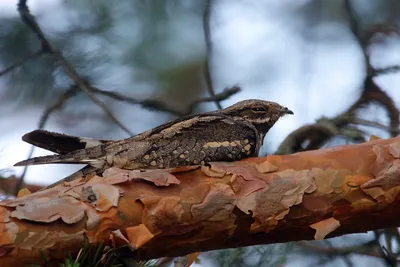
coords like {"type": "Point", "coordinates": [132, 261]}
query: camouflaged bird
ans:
{"type": "Point", "coordinates": [224, 135]}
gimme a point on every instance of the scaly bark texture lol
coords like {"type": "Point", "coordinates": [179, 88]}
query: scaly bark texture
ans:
{"type": "Point", "coordinates": [307, 195]}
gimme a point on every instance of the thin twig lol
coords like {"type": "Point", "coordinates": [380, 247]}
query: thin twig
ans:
{"type": "Point", "coordinates": [103, 107]}
{"type": "Point", "coordinates": [147, 103]}
{"type": "Point", "coordinates": [43, 120]}
{"type": "Point", "coordinates": [372, 93]}
{"type": "Point", "coordinates": [160, 106]}
{"type": "Point", "coordinates": [207, 36]}
{"type": "Point", "coordinates": [364, 250]}
{"type": "Point", "coordinates": [386, 70]}
{"type": "Point", "coordinates": [30, 21]}
{"type": "Point", "coordinates": [71, 92]}
{"type": "Point", "coordinates": [358, 33]}
{"type": "Point", "coordinates": [353, 19]}
{"type": "Point", "coordinates": [228, 92]}
{"type": "Point", "coordinates": [21, 62]}
{"type": "Point", "coordinates": [389, 260]}
{"type": "Point", "coordinates": [374, 124]}
{"type": "Point", "coordinates": [345, 258]}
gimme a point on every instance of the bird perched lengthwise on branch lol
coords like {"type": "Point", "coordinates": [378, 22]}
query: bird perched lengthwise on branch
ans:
{"type": "Point", "coordinates": [224, 135]}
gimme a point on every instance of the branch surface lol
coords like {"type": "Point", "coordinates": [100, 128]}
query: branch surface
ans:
{"type": "Point", "coordinates": [166, 213]}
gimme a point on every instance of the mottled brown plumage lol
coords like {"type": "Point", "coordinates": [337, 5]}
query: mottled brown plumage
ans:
{"type": "Point", "coordinates": [224, 135]}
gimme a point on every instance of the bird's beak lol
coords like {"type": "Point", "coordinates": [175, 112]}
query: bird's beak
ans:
{"type": "Point", "coordinates": [287, 111]}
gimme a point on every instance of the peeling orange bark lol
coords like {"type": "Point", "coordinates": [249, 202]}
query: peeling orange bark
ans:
{"type": "Point", "coordinates": [307, 195]}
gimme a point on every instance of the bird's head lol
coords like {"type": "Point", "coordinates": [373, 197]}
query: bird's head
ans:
{"type": "Point", "coordinates": [262, 114]}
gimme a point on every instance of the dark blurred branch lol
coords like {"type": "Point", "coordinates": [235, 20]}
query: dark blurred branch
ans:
{"type": "Point", "coordinates": [30, 21]}
{"type": "Point", "coordinates": [389, 259]}
{"type": "Point", "coordinates": [71, 92]}
{"type": "Point", "coordinates": [373, 124]}
{"type": "Point", "coordinates": [358, 33]}
{"type": "Point", "coordinates": [207, 36]}
{"type": "Point", "coordinates": [319, 133]}
{"type": "Point", "coordinates": [345, 258]}
{"type": "Point", "coordinates": [316, 133]}
{"type": "Point", "coordinates": [387, 70]}
{"type": "Point", "coordinates": [364, 36]}
{"type": "Point", "coordinates": [353, 19]}
{"type": "Point", "coordinates": [146, 103]}
{"type": "Point", "coordinates": [21, 62]}
{"type": "Point", "coordinates": [228, 92]}
{"type": "Point", "coordinates": [364, 249]}
{"type": "Point", "coordinates": [372, 93]}
{"type": "Point", "coordinates": [160, 106]}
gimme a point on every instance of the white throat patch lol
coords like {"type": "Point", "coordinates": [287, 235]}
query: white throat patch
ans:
{"type": "Point", "coordinates": [261, 120]}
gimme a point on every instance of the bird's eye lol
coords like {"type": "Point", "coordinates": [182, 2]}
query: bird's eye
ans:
{"type": "Point", "coordinates": [259, 109]}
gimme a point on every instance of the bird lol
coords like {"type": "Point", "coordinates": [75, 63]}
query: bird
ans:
{"type": "Point", "coordinates": [227, 134]}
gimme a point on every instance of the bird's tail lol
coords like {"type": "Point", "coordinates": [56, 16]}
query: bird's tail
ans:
{"type": "Point", "coordinates": [60, 143]}
{"type": "Point", "coordinates": [73, 150]}
{"type": "Point", "coordinates": [93, 156]}
{"type": "Point", "coordinates": [52, 159]}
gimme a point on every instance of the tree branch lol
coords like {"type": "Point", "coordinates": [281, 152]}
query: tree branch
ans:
{"type": "Point", "coordinates": [21, 62]}
{"type": "Point", "coordinates": [165, 213]}
{"type": "Point", "coordinates": [207, 33]}
{"type": "Point", "coordinates": [363, 250]}
{"type": "Point", "coordinates": [30, 21]}
{"type": "Point", "coordinates": [160, 106]}
{"type": "Point", "coordinates": [358, 33]}
{"type": "Point", "coordinates": [389, 260]}
{"type": "Point", "coordinates": [228, 92]}
{"type": "Point", "coordinates": [386, 70]}
{"type": "Point", "coordinates": [375, 124]}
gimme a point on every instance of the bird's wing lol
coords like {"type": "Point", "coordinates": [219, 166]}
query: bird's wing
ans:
{"type": "Point", "coordinates": [60, 143]}
{"type": "Point", "coordinates": [172, 123]}
{"type": "Point", "coordinates": [211, 137]}
{"type": "Point", "coordinates": [210, 127]}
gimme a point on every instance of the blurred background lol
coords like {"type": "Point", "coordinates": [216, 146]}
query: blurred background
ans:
{"type": "Point", "coordinates": [334, 63]}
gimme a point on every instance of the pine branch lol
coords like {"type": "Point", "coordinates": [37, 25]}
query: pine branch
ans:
{"type": "Point", "coordinates": [309, 195]}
